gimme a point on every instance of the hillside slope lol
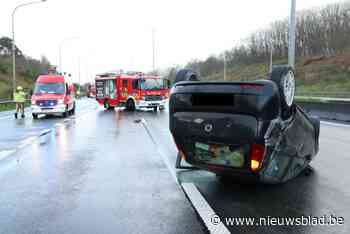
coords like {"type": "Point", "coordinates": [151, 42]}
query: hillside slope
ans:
{"type": "Point", "coordinates": [318, 75]}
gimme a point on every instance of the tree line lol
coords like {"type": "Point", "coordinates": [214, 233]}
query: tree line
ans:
{"type": "Point", "coordinates": [27, 67]}
{"type": "Point", "coordinates": [319, 31]}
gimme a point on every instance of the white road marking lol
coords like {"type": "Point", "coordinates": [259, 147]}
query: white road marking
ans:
{"type": "Point", "coordinates": [22, 144]}
{"type": "Point", "coordinates": [198, 202]}
{"type": "Point", "coordinates": [165, 159]}
{"type": "Point", "coordinates": [6, 153]}
{"type": "Point", "coordinates": [335, 124]}
{"type": "Point", "coordinates": [6, 117]}
{"type": "Point", "coordinates": [204, 210]}
{"type": "Point", "coordinates": [45, 132]}
{"type": "Point", "coordinates": [28, 141]}
{"type": "Point", "coordinates": [12, 115]}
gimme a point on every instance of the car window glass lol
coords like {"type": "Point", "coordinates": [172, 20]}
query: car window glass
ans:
{"type": "Point", "coordinates": [125, 83]}
{"type": "Point", "coordinates": [135, 84]}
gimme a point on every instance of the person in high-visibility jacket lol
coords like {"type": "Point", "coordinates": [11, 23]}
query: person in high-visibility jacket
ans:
{"type": "Point", "coordinates": [19, 98]}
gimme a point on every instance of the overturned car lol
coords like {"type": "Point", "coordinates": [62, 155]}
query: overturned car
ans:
{"type": "Point", "coordinates": [243, 129]}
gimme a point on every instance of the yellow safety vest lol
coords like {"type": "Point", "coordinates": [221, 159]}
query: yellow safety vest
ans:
{"type": "Point", "coordinates": [19, 96]}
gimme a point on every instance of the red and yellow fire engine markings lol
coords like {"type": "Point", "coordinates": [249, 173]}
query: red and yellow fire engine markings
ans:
{"type": "Point", "coordinates": [125, 92]}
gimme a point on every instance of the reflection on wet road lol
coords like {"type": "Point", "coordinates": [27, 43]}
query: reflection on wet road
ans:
{"type": "Point", "coordinates": [113, 172]}
{"type": "Point", "coordinates": [97, 173]}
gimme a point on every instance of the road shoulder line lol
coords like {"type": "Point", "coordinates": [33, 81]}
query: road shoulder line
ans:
{"type": "Point", "coordinates": [203, 209]}
{"type": "Point", "coordinates": [335, 124]}
{"type": "Point", "coordinates": [199, 204]}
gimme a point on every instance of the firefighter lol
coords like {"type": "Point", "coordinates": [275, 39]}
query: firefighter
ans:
{"type": "Point", "coordinates": [19, 98]}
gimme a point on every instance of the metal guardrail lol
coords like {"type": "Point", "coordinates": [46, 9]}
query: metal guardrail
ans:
{"type": "Point", "coordinates": [6, 101]}
{"type": "Point", "coordinates": [324, 94]}
{"type": "Point", "coordinates": [9, 101]}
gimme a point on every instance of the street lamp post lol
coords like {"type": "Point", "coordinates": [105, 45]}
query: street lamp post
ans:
{"type": "Point", "coordinates": [153, 51]}
{"type": "Point", "coordinates": [292, 29]}
{"type": "Point", "coordinates": [79, 75]}
{"type": "Point", "coordinates": [13, 41]}
{"type": "Point", "coordinates": [60, 51]}
{"type": "Point", "coordinates": [224, 66]}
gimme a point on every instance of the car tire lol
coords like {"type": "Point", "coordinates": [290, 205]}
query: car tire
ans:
{"type": "Point", "coordinates": [35, 116]}
{"type": "Point", "coordinates": [155, 109]}
{"type": "Point", "coordinates": [186, 75]}
{"type": "Point", "coordinates": [73, 110]}
{"type": "Point", "coordinates": [107, 105]}
{"type": "Point", "coordinates": [65, 113]}
{"type": "Point", "coordinates": [283, 77]}
{"type": "Point", "coordinates": [130, 105]}
{"type": "Point", "coordinates": [161, 108]}
{"type": "Point", "coordinates": [316, 124]}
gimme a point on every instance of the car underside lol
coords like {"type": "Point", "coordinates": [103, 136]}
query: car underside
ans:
{"type": "Point", "coordinates": [243, 129]}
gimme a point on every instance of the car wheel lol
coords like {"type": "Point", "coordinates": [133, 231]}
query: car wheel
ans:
{"type": "Point", "coordinates": [35, 116]}
{"type": "Point", "coordinates": [283, 76]}
{"type": "Point", "coordinates": [106, 105]}
{"type": "Point", "coordinates": [73, 110]}
{"type": "Point", "coordinates": [65, 114]}
{"type": "Point", "coordinates": [316, 123]}
{"type": "Point", "coordinates": [130, 105]}
{"type": "Point", "coordinates": [161, 108]}
{"type": "Point", "coordinates": [186, 75]}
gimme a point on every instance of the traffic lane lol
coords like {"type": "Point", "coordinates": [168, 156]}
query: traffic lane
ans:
{"type": "Point", "coordinates": [10, 113]}
{"type": "Point", "coordinates": [13, 131]}
{"type": "Point", "coordinates": [324, 192]}
{"type": "Point", "coordinates": [100, 174]}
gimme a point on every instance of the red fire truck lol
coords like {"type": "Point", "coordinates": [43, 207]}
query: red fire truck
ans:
{"type": "Point", "coordinates": [133, 91]}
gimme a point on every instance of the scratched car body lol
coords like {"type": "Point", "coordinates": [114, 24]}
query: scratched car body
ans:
{"type": "Point", "coordinates": [244, 129]}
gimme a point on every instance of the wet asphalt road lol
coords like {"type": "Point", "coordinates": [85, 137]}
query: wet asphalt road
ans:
{"type": "Point", "coordinates": [324, 192]}
{"type": "Point", "coordinates": [96, 173]}
{"type": "Point", "coordinates": [104, 172]}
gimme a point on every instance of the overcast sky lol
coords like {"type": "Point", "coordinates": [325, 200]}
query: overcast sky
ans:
{"type": "Point", "coordinates": [113, 34]}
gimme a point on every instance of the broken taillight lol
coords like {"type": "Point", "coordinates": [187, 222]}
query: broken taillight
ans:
{"type": "Point", "coordinates": [256, 156]}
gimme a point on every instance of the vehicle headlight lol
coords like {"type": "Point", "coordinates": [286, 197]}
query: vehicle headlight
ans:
{"type": "Point", "coordinates": [60, 101]}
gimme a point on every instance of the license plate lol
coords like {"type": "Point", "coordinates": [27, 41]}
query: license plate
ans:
{"type": "Point", "coordinates": [219, 155]}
